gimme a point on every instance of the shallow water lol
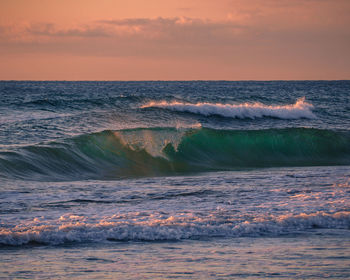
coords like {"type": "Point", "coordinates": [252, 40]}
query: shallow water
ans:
{"type": "Point", "coordinates": [323, 255]}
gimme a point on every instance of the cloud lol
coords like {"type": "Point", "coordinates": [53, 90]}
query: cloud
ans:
{"type": "Point", "coordinates": [251, 35]}
{"type": "Point", "coordinates": [293, 37]}
{"type": "Point", "coordinates": [147, 37]}
{"type": "Point", "coordinates": [50, 30]}
{"type": "Point", "coordinates": [149, 28]}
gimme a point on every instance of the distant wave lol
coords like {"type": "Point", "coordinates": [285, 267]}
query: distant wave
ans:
{"type": "Point", "coordinates": [170, 151]}
{"type": "Point", "coordinates": [137, 226]}
{"type": "Point", "coordinates": [301, 109]}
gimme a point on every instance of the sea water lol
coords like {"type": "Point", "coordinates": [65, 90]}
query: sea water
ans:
{"type": "Point", "coordinates": [184, 180]}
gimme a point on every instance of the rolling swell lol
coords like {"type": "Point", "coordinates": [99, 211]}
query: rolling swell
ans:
{"type": "Point", "coordinates": [169, 151]}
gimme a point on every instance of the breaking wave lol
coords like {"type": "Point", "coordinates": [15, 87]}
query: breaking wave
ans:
{"type": "Point", "coordinates": [301, 109]}
{"type": "Point", "coordinates": [170, 151]}
{"type": "Point", "coordinates": [137, 226]}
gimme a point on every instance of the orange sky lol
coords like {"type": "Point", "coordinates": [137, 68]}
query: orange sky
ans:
{"type": "Point", "coordinates": [174, 40]}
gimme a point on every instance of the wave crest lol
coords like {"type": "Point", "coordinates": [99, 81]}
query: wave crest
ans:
{"type": "Point", "coordinates": [300, 109]}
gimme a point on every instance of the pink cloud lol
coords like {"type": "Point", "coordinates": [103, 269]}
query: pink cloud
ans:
{"type": "Point", "coordinates": [301, 36]}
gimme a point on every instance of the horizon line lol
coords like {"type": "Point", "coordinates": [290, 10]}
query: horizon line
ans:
{"type": "Point", "coordinates": [175, 80]}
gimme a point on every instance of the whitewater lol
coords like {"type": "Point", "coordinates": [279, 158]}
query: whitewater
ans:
{"type": "Point", "coordinates": [187, 180]}
{"type": "Point", "coordinates": [300, 109]}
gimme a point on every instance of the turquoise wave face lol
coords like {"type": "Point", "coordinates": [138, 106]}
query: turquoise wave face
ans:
{"type": "Point", "coordinates": [170, 151]}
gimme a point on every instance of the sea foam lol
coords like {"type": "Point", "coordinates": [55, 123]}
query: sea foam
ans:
{"type": "Point", "coordinates": [300, 109]}
{"type": "Point", "coordinates": [137, 226]}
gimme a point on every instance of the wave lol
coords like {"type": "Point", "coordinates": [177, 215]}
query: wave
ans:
{"type": "Point", "coordinates": [301, 109]}
{"type": "Point", "coordinates": [136, 226]}
{"type": "Point", "coordinates": [170, 151]}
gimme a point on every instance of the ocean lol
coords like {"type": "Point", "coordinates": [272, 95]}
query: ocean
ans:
{"type": "Point", "coordinates": [175, 180]}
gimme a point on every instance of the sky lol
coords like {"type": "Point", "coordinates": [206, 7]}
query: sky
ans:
{"type": "Point", "coordinates": [174, 39]}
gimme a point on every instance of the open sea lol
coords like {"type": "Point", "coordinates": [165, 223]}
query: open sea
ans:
{"type": "Point", "coordinates": [175, 180]}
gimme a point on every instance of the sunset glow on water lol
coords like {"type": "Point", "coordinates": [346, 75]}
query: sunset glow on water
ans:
{"type": "Point", "coordinates": [174, 139]}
